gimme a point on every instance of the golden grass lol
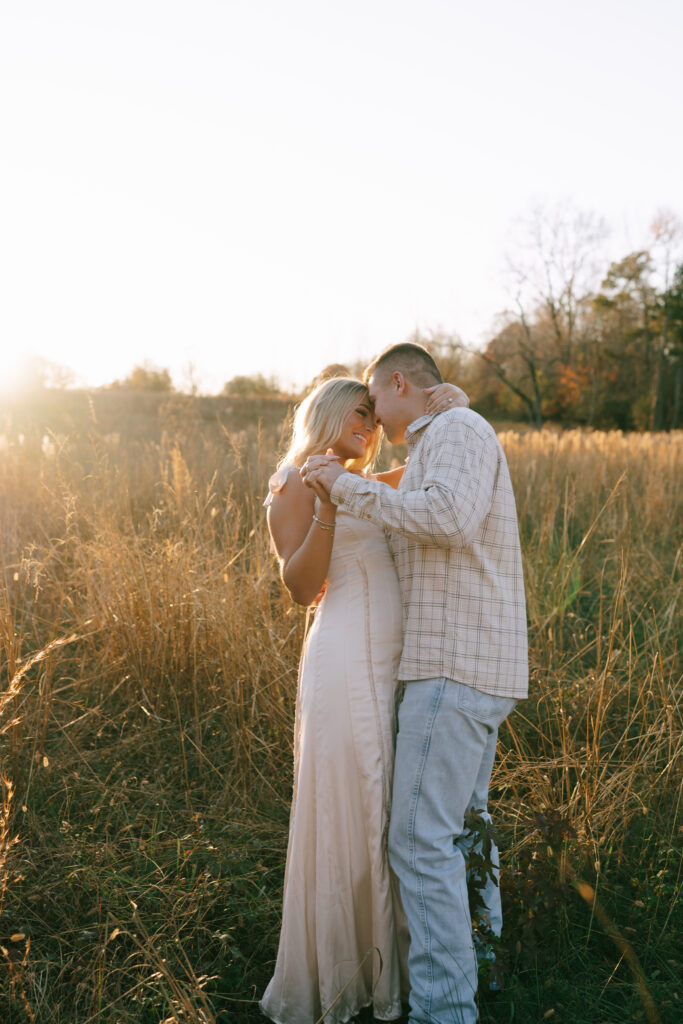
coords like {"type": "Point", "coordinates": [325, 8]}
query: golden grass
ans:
{"type": "Point", "coordinates": [149, 661]}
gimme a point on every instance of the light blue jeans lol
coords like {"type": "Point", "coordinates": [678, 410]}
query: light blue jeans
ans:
{"type": "Point", "coordinates": [444, 756]}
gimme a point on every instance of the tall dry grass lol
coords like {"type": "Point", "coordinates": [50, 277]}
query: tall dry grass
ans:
{"type": "Point", "coordinates": [149, 662]}
{"type": "Point", "coordinates": [601, 516]}
{"type": "Point", "coordinates": [599, 742]}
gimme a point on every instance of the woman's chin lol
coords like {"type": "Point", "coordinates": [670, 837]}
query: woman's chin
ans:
{"type": "Point", "coordinates": [357, 452]}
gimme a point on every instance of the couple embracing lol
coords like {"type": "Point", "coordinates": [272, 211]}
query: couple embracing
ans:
{"type": "Point", "coordinates": [423, 611]}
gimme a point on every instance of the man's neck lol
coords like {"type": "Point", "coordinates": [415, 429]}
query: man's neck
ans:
{"type": "Point", "coordinates": [417, 408]}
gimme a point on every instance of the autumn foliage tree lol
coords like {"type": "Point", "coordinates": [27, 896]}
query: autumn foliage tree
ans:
{"type": "Point", "coordinates": [585, 342]}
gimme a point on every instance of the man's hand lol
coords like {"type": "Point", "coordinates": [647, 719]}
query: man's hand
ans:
{"type": "Point", "coordinates": [319, 472]}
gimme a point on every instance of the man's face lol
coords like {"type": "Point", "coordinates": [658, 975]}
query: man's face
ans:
{"type": "Point", "coordinates": [389, 412]}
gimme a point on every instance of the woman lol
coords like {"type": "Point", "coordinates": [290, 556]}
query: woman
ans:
{"type": "Point", "coordinates": [342, 922]}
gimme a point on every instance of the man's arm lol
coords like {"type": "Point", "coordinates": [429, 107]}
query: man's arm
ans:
{"type": "Point", "coordinates": [455, 495]}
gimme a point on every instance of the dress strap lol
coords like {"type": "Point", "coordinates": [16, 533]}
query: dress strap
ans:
{"type": "Point", "coordinates": [277, 482]}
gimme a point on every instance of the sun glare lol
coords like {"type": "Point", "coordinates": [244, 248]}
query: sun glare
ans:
{"type": "Point", "coordinates": [18, 372]}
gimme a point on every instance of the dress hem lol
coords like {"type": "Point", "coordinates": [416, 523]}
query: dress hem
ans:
{"type": "Point", "coordinates": [394, 1014]}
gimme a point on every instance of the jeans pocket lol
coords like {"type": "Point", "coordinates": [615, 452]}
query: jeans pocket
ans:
{"type": "Point", "coordinates": [485, 707]}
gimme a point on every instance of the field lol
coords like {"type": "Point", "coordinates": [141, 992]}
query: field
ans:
{"type": "Point", "coordinates": [147, 682]}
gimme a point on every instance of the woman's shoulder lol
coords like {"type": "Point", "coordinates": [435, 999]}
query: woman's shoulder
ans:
{"type": "Point", "coordinates": [285, 475]}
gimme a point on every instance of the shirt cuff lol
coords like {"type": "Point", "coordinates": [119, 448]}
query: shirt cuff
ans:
{"type": "Point", "coordinates": [345, 487]}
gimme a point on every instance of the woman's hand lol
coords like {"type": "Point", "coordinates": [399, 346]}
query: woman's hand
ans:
{"type": "Point", "coordinates": [445, 396]}
{"type": "Point", "coordinates": [319, 472]}
{"type": "Point", "coordinates": [322, 498]}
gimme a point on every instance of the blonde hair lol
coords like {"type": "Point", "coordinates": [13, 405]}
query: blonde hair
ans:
{"type": "Point", "coordinates": [319, 421]}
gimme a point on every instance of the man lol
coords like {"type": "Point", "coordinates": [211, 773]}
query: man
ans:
{"type": "Point", "coordinates": [453, 532]}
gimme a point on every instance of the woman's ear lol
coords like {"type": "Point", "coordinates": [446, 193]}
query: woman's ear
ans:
{"type": "Point", "coordinates": [399, 382]}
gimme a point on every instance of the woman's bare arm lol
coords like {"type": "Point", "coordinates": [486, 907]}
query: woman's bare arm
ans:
{"type": "Point", "coordinates": [391, 476]}
{"type": "Point", "coordinates": [303, 545]}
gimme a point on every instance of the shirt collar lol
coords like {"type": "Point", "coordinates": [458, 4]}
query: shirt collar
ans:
{"type": "Point", "coordinates": [414, 430]}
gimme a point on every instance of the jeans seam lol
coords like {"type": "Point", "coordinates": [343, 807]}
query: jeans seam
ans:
{"type": "Point", "coordinates": [436, 702]}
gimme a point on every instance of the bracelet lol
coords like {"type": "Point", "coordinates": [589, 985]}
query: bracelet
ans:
{"type": "Point", "coordinates": [323, 525]}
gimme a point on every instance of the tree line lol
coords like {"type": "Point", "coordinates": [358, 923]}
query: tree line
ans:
{"type": "Point", "coordinates": [582, 344]}
{"type": "Point", "coordinates": [584, 341]}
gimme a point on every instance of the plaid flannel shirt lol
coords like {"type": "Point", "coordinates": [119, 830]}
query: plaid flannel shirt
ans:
{"type": "Point", "coordinates": [452, 527]}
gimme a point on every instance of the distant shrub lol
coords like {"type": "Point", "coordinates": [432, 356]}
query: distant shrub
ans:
{"type": "Point", "coordinates": [251, 387]}
{"type": "Point", "coordinates": [146, 378]}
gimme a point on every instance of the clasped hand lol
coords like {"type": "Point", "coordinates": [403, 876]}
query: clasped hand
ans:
{"type": "Point", "coordinates": [319, 472]}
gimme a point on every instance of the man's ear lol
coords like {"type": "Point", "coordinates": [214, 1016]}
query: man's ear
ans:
{"type": "Point", "coordinates": [399, 382]}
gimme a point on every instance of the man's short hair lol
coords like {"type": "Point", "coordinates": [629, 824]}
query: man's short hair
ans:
{"type": "Point", "coordinates": [413, 361]}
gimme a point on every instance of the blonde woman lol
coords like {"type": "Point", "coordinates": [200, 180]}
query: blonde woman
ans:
{"type": "Point", "coordinates": [342, 922]}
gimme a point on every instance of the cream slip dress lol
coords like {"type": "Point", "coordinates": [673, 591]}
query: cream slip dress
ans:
{"type": "Point", "coordinates": [342, 922]}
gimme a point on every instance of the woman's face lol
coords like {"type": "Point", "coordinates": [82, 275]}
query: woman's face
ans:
{"type": "Point", "coordinates": [357, 432]}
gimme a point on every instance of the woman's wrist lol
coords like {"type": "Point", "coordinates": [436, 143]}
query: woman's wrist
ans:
{"type": "Point", "coordinates": [323, 524]}
{"type": "Point", "coordinates": [326, 510]}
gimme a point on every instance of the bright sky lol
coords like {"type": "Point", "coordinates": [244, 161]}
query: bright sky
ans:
{"type": "Point", "coordinates": [272, 185]}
